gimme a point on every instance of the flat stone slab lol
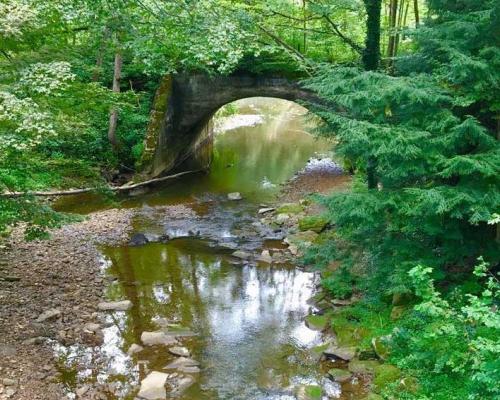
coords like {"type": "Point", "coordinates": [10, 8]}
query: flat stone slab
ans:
{"type": "Point", "coordinates": [179, 351]}
{"type": "Point", "coordinates": [153, 386]}
{"type": "Point", "coordinates": [266, 210]}
{"type": "Point", "coordinates": [157, 338]}
{"type": "Point", "coordinates": [242, 254]}
{"type": "Point", "coordinates": [49, 314]}
{"type": "Point", "coordinates": [182, 362]}
{"type": "Point", "coordinates": [123, 305]}
{"type": "Point", "coordinates": [189, 370]}
{"type": "Point", "coordinates": [344, 353]}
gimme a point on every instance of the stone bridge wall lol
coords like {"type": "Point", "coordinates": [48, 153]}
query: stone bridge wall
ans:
{"type": "Point", "coordinates": [180, 130]}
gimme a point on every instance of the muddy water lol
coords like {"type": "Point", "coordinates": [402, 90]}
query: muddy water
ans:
{"type": "Point", "coordinates": [247, 319]}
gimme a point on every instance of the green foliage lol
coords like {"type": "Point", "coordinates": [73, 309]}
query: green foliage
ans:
{"type": "Point", "coordinates": [451, 345]}
{"type": "Point", "coordinates": [430, 131]}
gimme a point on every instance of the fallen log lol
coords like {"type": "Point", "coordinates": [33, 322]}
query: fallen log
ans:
{"type": "Point", "coordinates": [123, 188]}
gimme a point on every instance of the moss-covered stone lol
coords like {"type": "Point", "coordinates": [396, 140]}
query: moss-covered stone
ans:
{"type": "Point", "coordinates": [385, 374]}
{"type": "Point", "coordinates": [397, 312]}
{"type": "Point", "coordinates": [309, 392]}
{"type": "Point", "coordinates": [315, 223]}
{"type": "Point", "coordinates": [340, 375]}
{"type": "Point", "coordinates": [366, 367]}
{"type": "Point", "coordinates": [316, 322]}
{"type": "Point", "coordinates": [290, 208]}
{"type": "Point", "coordinates": [302, 238]}
{"type": "Point", "coordinates": [379, 345]}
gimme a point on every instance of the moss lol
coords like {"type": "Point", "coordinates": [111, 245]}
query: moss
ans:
{"type": "Point", "coordinates": [290, 208]}
{"type": "Point", "coordinates": [315, 223]}
{"type": "Point", "coordinates": [316, 321]}
{"type": "Point", "coordinates": [313, 392]}
{"type": "Point", "coordinates": [363, 367]}
{"type": "Point", "coordinates": [385, 374]}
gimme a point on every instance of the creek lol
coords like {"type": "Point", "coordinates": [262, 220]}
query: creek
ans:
{"type": "Point", "coordinates": [244, 321]}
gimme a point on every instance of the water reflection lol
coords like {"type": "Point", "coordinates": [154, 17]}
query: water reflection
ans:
{"type": "Point", "coordinates": [249, 320]}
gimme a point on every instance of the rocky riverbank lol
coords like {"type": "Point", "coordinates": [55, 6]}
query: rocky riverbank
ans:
{"type": "Point", "coordinates": [49, 294]}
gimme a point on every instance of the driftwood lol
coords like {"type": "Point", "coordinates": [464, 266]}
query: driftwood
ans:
{"type": "Point", "coordinates": [124, 188]}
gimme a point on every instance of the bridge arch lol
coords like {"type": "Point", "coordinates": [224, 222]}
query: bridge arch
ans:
{"type": "Point", "coordinates": [180, 130]}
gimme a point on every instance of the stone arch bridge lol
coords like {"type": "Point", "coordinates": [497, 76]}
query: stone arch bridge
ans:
{"type": "Point", "coordinates": [179, 134]}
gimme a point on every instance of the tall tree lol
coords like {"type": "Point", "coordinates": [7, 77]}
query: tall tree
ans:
{"type": "Point", "coordinates": [371, 52]}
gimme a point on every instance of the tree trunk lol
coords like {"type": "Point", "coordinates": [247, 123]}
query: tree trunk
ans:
{"type": "Point", "coordinates": [391, 45]}
{"type": "Point", "coordinates": [304, 15]}
{"type": "Point", "coordinates": [113, 117]}
{"type": "Point", "coordinates": [371, 60]}
{"type": "Point", "coordinates": [417, 16]}
{"type": "Point", "coordinates": [371, 52]}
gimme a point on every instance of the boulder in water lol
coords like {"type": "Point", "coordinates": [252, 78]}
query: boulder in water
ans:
{"type": "Point", "coordinates": [234, 196]}
{"type": "Point", "coordinates": [138, 239]}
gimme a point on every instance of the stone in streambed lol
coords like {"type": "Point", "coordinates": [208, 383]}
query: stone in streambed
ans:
{"type": "Point", "coordinates": [179, 351]}
{"type": "Point", "coordinates": [153, 386]}
{"type": "Point", "coordinates": [189, 370]}
{"type": "Point", "coordinates": [182, 362]}
{"type": "Point", "coordinates": [363, 367]}
{"type": "Point", "coordinates": [265, 257]}
{"type": "Point", "coordinates": [344, 353]}
{"type": "Point", "coordinates": [134, 349]}
{"type": "Point", "coordinates": [241, 254]}
{"type": "Point", "coordinates": [340, 375]}
{"type": "Point", "coordinates": [290, 208]}
{"type": "Point", "coordinates": [315, 223]}
{"type": "Point", "coordinates": [282, 218]}
{"type": "Point", "coordinates": [234, 196]}
{"type": "Point", "coordinates": [123, 305]}
{"type": "Point", "coordinates": [138, 239]}
{"type": "Point", "coordinates": [48, 315]}
{"type": "Point", "coordinates": [265, 210]}
{"type": "Point", "coordinates": [157, 338]}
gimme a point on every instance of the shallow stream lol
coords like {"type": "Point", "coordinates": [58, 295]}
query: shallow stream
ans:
{"type": "Point", "coordinates": [250, 339]}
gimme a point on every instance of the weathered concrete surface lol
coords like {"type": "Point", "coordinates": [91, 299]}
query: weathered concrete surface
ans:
{"type": "Point", "coordinates": [180, 132]}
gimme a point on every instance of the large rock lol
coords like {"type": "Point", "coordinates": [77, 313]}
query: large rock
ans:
{"type": "Point", "coordinates": [157, 338]}
{"type": "Point", "coordinates": [344, 353]}
{"type": "Point", "coordinates": [153, 386]}
{"type": "Point", "coordinates": [123, 305]}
